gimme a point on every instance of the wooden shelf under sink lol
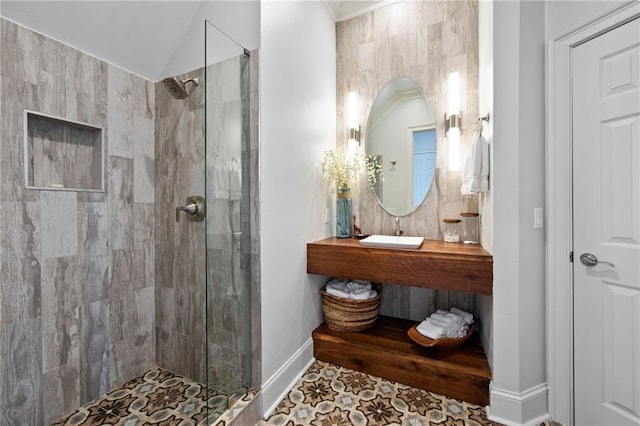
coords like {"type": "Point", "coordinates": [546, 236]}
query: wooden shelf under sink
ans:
{"type": "Point", "coordinates": [436, 264]}
{"type": "Point", "coordinates": [386, 351]}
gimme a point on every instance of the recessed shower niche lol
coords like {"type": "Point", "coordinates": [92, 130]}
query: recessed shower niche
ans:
{"type": "Point", "coordinates": [62, 154]}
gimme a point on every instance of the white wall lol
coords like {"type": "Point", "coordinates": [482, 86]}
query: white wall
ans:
{"type": "Point", "coordinates": [485, 106]}
{"type": "Point", "coordinates": [564, 16]}
{"type": "Point", "coordinates": [519, 392]}
{"type": "Point", "coordinates": [298, 110]}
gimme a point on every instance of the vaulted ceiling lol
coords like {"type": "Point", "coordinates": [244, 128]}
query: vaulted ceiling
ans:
{"type": "Point", "coordinates": [153, 38]}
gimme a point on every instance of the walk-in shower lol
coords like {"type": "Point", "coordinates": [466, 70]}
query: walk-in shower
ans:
{"type": "Point", "coordinates": [112, 312]}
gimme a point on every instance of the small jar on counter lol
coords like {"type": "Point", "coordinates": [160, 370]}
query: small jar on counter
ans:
{"type": "Point", "coordinates": [470, 232]}
{"type": "Point", "coordinates": [451, 230]}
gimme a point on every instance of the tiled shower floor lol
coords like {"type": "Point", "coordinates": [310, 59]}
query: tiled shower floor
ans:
{"type": "Point", "coordinates": [158, 396]}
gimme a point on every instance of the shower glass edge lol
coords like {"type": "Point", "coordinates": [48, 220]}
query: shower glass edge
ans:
{"type": "Point", "coordinates": [228, 357]}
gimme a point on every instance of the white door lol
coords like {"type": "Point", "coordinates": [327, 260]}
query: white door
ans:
{"type": "Point", "coordinates": [606, 211]}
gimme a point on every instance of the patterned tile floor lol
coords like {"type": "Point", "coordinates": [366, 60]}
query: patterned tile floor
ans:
{"type": "Point", "coordinates": [328, 395]}
{"type": "Point", "coordinates": [157, 397]}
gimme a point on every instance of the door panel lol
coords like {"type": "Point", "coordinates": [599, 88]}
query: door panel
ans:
{"type": "Point", "coordinates": [606, 190]}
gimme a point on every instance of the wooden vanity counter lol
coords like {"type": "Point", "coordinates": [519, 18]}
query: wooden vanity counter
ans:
{"type": "Point", "coordinates": [435, 264]}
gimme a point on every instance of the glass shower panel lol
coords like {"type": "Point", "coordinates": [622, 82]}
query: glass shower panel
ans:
{"type": "Point", "coordinates": [228, 242]}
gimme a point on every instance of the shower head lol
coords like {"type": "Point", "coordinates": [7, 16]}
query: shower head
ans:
{"type": "Point", "coordinates": [177, 87]}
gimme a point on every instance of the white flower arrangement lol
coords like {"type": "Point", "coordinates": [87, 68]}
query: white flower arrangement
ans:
{"type": "Point", "coordinates": [341, 168]}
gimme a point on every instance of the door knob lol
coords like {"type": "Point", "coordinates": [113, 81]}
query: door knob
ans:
{"type": "Point", "coordinates": [588, 259]}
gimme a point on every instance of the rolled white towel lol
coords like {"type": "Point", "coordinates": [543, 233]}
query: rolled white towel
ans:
{"type": "Point", "coordinates": [338, 293]}
{"type": "Point", "coordinates": [440, 317]}
{"type": "Point", "coordinates": [438, 322]}
{"type": "Point", "coordinates": [358, 286]}
{"type": "Point", "coordinates": [452, 324]}
{"type": "Point", "coordinates": [360, 296]}
{"type": "Point", "coordinates": [459, 333]}
{"type": "Point", "coordinates": [456, 319]}
{"type": "Point", "coordinates": [466, 316]}
{"type": "Point", "coordinates": [337, 285]}
{"type": "Point", "coordinates": [431, 331]}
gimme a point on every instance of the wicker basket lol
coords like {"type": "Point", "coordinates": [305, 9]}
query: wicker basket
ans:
{"type": "Point", "coordinates": [351, 315]}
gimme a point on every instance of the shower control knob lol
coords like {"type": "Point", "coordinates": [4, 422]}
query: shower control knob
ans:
{"type": "Point", "coordinates": [194, 208]}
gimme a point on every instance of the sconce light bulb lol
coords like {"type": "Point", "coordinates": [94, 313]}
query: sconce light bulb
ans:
{"type": "Point", "coordinates": [352, 147]}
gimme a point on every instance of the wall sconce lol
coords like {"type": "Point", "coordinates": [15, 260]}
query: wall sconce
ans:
{"type": "Point", "coordinates": [353, 124]}
{"type": "Point", "coordinates": [453, 121]}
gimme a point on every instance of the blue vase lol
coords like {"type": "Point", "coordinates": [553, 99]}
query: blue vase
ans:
{"type": "Point", "coordinates": [344, 218]}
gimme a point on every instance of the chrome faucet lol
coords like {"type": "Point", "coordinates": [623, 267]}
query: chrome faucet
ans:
{"type": "Point", "coordinates": [398, 230]}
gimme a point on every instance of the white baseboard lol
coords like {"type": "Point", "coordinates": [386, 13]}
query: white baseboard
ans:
{"type": "Point", "coordinates": [528, 408]}
{"type": "Point", "coordinates": [276, 387]}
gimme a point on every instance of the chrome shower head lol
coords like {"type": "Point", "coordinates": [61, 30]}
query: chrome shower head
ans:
{"type": "Point", "coordinates": [178, 88]}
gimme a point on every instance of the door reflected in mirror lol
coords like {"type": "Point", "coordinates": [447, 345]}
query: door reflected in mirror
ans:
{"type": "Point", "coordinates": [401, 137]}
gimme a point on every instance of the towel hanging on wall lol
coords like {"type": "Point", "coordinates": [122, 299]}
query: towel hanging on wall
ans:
{"type": "Point", "coordinates": [475, 175]}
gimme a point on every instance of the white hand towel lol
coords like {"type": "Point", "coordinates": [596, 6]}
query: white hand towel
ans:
{"type": "Point", "coordinates": [466, 316]}
{"type": "Point", "coordinates": [430, 330]}
{"type": "Point", "coordinates": [475, 174]}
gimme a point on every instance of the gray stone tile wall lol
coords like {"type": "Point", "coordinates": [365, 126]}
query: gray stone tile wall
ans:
{"type": "Point", "coordinates": [424, 41]}
{"type": "Point", "coordinates": [180, 253]}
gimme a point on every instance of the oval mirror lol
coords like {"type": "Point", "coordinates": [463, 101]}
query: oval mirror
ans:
{"type": "Point", "coordinates": [401, 138]}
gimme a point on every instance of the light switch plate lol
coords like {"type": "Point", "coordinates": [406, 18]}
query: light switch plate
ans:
{"type": "Point", "coordinates": [538, 219]}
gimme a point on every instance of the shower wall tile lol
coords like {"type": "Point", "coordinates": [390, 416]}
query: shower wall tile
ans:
{"type": "Point", "coordinates": [120, 104]}
{"type": "Point", "coordinates": [21, 391]}
{"type": "Point", "coordinates": [144, 330]}
{"type": "Point", "coordinates": [95, 351]}
{"type": "Point", "coordinates": [20, 274]}
{"type": "Point", "coordinates": [77, 282]}
{"type": "Point", "coordinates": [423, 41]}
{"type": "Point", "coordinates": [144, 157]}
{"type": "Point", "coordinates": [14, 93]}
{"type": "Point", "coordinates": [122, 275]}
{"type": "Point", "coordinates": [120, 177]}
{"type": "Point", "coordinates": [91, 85]}
{"type": "Point", "coordinates": [62, 387]}
{"type": "Point", "coordinates": [59, 224]}
{"type": "Point", "coordinates": [92, 270]}
{"type": "Point", "coordinates": [60, 314]}
{"type": "Point", "coordinates": [20, 55]}
{"type": "Point", "coordinates": [179, 247]}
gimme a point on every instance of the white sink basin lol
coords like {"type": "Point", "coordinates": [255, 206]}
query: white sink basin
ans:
{"type": "Point", "coordinates": [391, 241]}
